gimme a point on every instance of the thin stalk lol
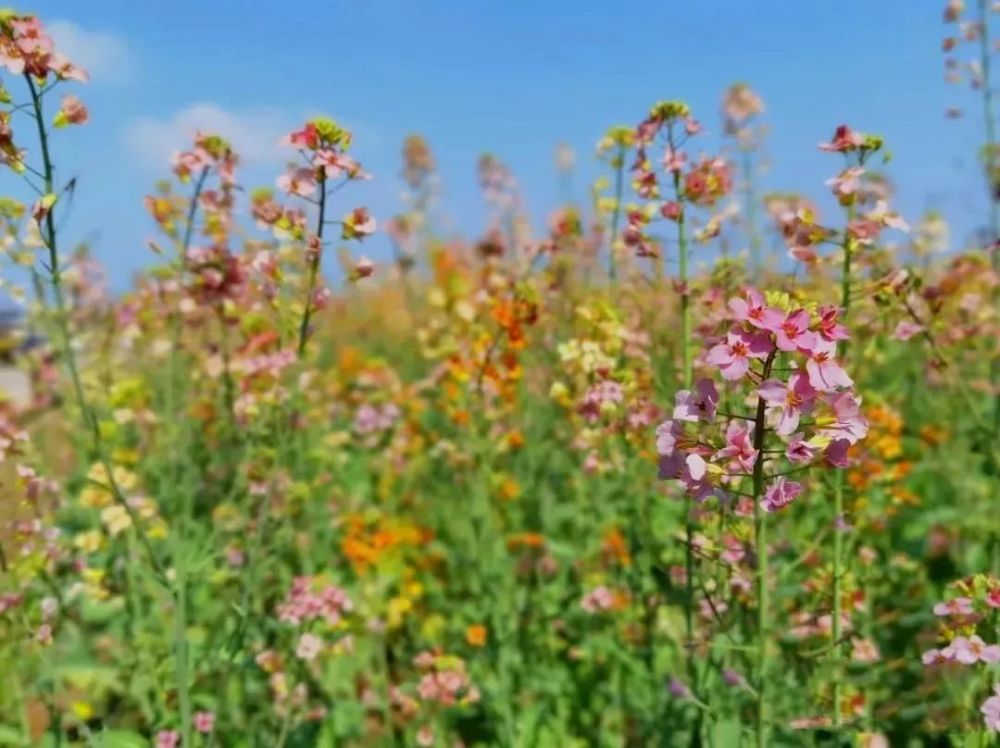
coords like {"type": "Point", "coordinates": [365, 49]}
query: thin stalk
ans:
{"type": "Point", "coordinates": [65, 336]}
{"type": "Point", "coordinates": [760, 542]}
{"type": "Point", "coordinates": [619, 164]}
{"type": "Point", "coordinates": [689, 528]}
{"type": "Point", "coordinates": [314, 263]}
{"type": "Point", "coordinates": [838, 497]}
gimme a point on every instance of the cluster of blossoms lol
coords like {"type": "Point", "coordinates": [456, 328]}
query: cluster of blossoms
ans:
{"type": "Point", "coordinates": [701, 182]}
{"type": "Point", "coordinates": [606, 381]}
{"type": "Point", "coordinates": [26, 49]}
{"type": "Point", "coordinates": [962, 621]}
{"type": "Point", "coordinates": [863, 193]}
{"type": "Point", "coordinates": [310, 599]}
{"type": "Point", "coordinates": [784, 358]}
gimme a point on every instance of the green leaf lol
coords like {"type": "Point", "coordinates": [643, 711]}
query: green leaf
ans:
{"type": "Point", "coordinates": [122, 739]}
{"type": "Point", "coordinates": [11, 736]}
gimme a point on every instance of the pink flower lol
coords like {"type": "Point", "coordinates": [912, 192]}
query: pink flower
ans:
{"type": "Point", "coordinates": [733, 356]}
{"type": "Point", "coordinates": [305, 139]}
{"type": "Point", "coordinates": [71, 112]}
{"type": "Point", "coordinates": [300, 181]}
{"type": "Point", "coordinates": [357, 224]}
{"type": "Point", "coordinates": [934, 657]}
{"type": "Point", "coordinates": [699, 406]}
{"type": "Point", "coordinates": [829, 328]}
{"type": "Point", "coordinates": [906, 330]}
{"type": "Point", "coordinates": [836, 453]}
{"type": "Point", "coordinates": [991, 710]}
{"type": "Point", "coordinates": [598, 600]}
{"type": "Point", "coordinates": [970, 650]}
{"type": "Point", "coordinates": [844, 139]}
{"type": "Point", "coordinates": [363, 268]}
{"type": "Point", "coordinates": [793, 333]}
{"type": "Point", "coordinates": [779, 494]}
{"type": "Point", "coordinates": [825, 374]}
{"type": "Point", "coordinates": [666, 437]}
{"type": "Point", "coordinates": [204, 722]}
{"type": "Point", "coordinates": [959, 606]}
{"type": "Point", "coordinates": [752, 309]}
{"type": "Point", "coordinates": [793, 398]}
{"type": "Point", "coordinates": [846, 183]}
{"type": "Point", "coordinates": [993, 597]}
{"type": "Point", "coordinates": [739, 446]}
{"type": "Point", "coordinates": [799, 450]}
{"type": "Point", "coordinates": [168, 739]}
{"type": "Point", "coordinates": [848, 423]}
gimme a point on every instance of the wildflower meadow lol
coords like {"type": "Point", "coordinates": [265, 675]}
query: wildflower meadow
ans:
{"type": "Point", "coordinates": [558, 484]}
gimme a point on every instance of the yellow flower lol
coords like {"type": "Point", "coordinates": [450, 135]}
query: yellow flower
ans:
{"type": "Point", "coordinates": [115, 519]}
{"type": "Point", "coordinates": [89, 541]}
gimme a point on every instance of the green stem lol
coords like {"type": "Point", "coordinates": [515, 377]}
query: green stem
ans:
{"type": "Point", "coordinates": [65, 336]}
{"type": "Point", "coordinates": [314, 263]}
{"type": "Point", "coordinates": [760, 542]}
{"type": "Point", "coordinates": [619, 164]}
{"type": "Point", "coordinates": [838, 499]}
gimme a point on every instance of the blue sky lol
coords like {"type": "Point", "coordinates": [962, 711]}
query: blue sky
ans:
{"type": "Point", "coordinates": [515, 78]}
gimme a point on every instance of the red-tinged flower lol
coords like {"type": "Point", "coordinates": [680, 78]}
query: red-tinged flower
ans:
{"type": "Point", "coordinates": [825, 374]}
{"type": "Point", "coordinates": [794, 398]}
{"type": "Point", "coordinates": [671, 210]}
{"type": "Point", "coordinates": [754, 310]}
{"type": "Point", "coordinates": [699, 405]}
{"type": "Point", "coordinates": [733, 356]}
{"type": "Point", "coordinates": [305, 139]}
{"type": "Point", "coordinates": [993, 597]}
{"type": "Point", "coordinates": [829, 328]}
{"type": "Point", "coordinates": [779, 494]}
{"type": "Point", "coordinates": [844, 140]}
{"type": "Point", "coordinates": [793, 334]}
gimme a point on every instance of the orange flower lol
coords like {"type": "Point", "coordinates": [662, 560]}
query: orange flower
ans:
{"type": "Point", "coordinates": [476, 635]}
{"type": "Point", "coordinates": [615, 547]}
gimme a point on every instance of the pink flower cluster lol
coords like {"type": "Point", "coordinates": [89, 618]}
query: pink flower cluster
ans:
{"type": "Point", "coordinates": [809, 383]}
{"type": "Point", "coordinates": [445, 681]}
{"type": "Point", "coordinates": [307, 603]}
{"type": "Point", "coordinates": [26, 48]}
{"type": "Point", "coordinates": [371, 419]}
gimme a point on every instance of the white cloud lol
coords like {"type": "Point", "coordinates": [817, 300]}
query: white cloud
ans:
{"type": "Point", "coordinates": [254, 133]}
{"type": "Point", "coordinates": [105, 56]}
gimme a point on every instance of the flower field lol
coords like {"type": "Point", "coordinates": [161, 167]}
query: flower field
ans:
{"type": "Point", "coordinates": [554, 485]}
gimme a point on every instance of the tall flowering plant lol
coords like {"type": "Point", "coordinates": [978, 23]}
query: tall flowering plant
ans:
{"type": "Point", "coordinates": [780, 359]}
